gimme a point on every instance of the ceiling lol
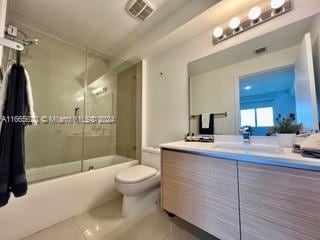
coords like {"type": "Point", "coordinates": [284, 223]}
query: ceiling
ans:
{"type": "Point", "coordinates": [102, 24]}
{"type": "Point", "coordinates": [282, 38]}
{"type": "Point", "coordinates": [278, 80]}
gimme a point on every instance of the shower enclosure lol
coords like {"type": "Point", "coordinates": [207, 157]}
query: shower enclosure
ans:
{"type": "Point", "coordinates": [73, 82]}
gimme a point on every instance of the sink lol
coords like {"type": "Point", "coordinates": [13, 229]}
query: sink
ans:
{"type": "Point", "coordinates": [248, 148]}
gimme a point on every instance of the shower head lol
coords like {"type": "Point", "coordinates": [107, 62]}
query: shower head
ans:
{"type": "Point", "coordinates": [30, 42]}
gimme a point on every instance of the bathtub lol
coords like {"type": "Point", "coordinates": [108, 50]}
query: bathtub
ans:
{"type": "Point", "coordinates": [63, 169]}
{"type": "Point", "coordinates": [52, 201]}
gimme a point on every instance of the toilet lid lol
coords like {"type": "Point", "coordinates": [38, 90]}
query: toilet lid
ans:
{"type": "Point", "coordinates": [136, 174]}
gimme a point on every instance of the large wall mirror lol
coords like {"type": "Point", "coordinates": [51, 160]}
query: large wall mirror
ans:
{"type": "Point", "coordinates": [252, 83]}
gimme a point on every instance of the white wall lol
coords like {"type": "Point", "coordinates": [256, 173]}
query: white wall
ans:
{"type": "Point", "coordinates": [315, 37]}
{"type": "Point", "coordinates": [215, 91]}
{"type": "Point", "coordinates": [166, 96]}
{"type": "Point", "coordinates": [3, 11]}
{"type": "Point", "coordinates": [305, 90]}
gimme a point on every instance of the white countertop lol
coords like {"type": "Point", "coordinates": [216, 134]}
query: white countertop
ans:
{"type": "Point", "coordinates": [273, 155]}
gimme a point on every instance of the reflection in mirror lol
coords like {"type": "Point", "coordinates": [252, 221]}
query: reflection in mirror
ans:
{"type": "Point", "coordinates": [255, 81]}
{"type": "Point", "coordinates": [265, 95]}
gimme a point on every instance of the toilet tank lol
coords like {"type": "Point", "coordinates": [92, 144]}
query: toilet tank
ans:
{"type": "Point", "coordinates": [151, 157]}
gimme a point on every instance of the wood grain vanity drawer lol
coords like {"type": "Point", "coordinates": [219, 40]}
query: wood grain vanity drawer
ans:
{"type": "Point", "coordinates": [279, 203]}
{"type": "Point", "coordinates": [203, 191]}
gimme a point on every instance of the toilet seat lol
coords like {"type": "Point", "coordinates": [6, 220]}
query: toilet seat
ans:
{"type": "Point", "coordinates": [136, 174]}
{"type": "Point", "coordinates": [136, 180]}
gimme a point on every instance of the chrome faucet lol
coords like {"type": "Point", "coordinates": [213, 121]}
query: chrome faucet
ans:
{"type": "Point", "coordinates": [246, 132]}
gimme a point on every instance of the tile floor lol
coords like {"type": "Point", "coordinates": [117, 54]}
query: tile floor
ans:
{"type": "Point", "coordinates": [106, 223]}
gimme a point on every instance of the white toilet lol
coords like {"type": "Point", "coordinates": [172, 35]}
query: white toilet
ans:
{"type": "Point", "coordinates": [140, 185]}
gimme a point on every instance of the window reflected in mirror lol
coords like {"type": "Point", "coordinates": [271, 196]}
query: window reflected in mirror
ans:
{"type": "Point", "coordinates": [265, 95]}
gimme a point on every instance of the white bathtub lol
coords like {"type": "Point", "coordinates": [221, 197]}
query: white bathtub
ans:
{"type": "Point", "coordinates": [63, 169]}
{"type": "Point", "coordinates": [53, 201]}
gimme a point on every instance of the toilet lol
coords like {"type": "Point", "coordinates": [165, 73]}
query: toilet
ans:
{"type": "Point", "coordinates": [140, 185]}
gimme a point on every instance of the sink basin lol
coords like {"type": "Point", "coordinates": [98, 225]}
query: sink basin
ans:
{"type": "Point", "coordinates": [248, 148]}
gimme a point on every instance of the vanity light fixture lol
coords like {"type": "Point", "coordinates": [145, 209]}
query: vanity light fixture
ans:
{"type": "Point", "coordinates": [235, 23]}
{"type": "Point", "coordinates": [256, 15]}
{"type": "Point", "coordinates": [276, 4]}
{"type": "Point", "coordinates": [218, 32]}
{"type": "Point", "coordinates": [99, 91]}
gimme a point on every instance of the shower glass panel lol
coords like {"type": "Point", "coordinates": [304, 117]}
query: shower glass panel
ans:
{"type": "Point", "coordinates": [57, 73]}
{"type": "Point", "coordinates": [110, 95]}
{"type": "Point", "coordinates": [126, 142]}
{"type": "Point", "coordinates": [99, 137]}
{"type": "Point", "coordinates": [71, 82]}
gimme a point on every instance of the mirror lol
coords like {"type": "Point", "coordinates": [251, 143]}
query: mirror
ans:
{"type": "Point", "coordinates": [250, 84]}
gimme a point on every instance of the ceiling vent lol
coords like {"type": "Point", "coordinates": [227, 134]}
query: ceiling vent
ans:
{"type": "Point", "coordinates": [140, 9]}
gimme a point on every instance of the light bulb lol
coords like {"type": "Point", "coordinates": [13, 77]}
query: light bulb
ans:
{"type": "Point", "coordinates": [254, 13]}
{"type": "Point", "coordinates": [234, 23]}
{"type": "Point", "coordinates": [276, 4]}
{"type": "Point", "coordinates": [218, 32]}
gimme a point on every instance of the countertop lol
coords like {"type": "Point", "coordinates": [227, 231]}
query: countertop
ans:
{"type": "Point", "coordinates": [283, 157]}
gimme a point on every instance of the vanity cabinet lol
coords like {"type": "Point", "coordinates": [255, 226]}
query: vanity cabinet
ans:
{"type": "Point", "coordinates": [238, 200]}
{"type": "Point", "coordinates": [203, 191]}
{"type": "Point", "coordinates": [279, 203]}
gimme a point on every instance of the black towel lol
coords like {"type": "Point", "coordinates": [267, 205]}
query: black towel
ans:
{"type": "Point", "coordinates": [310, 153]}
{"type": "Point", "coordinates": [207, 131]}
{"type": "Point", "coordinates": [12, 169]}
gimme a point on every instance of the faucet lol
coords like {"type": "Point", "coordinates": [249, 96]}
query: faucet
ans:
{"type": "Point", "coordinates": [246, 132]}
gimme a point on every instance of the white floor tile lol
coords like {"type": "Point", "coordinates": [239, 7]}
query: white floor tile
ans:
{"type": "Point", "coordinates": [154, 225]}
{"type": "Point", "coordinates": [105, 229]}
{"type": "Point", "coordinates": [99, 216]}
{"type": "Point", "coordinates": [67, 230]}
{"type": "Point", "coordinates": [106, 223]}
{"type": "Point", "coordinates": [186, 231]}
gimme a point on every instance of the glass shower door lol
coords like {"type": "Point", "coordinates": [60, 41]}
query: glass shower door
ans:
{"type": "Point", "coordinates": [72, 83]}
{"type": "Point", "coordinates": [111, 95]}
{"type": "Point", "coordinates": [100, 104]}
{"type": "Point", "coordinates": [57, 70]}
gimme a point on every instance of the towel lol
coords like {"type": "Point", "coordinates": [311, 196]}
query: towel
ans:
{"type": "Point", "coordinates": [12, 154]}
{"type": "Point", "coordinates": [210, 129]}
{"type": "Point", "coordinates": [31, 112]}
{"type": "Point", "coordinates": [3, 96]}
{"type": "Point", "coordinates": [205, 118]}
{"type": "Point", "coordinates": [3, 91]}
{"type": "Point", "coordinates": [311, 146]}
